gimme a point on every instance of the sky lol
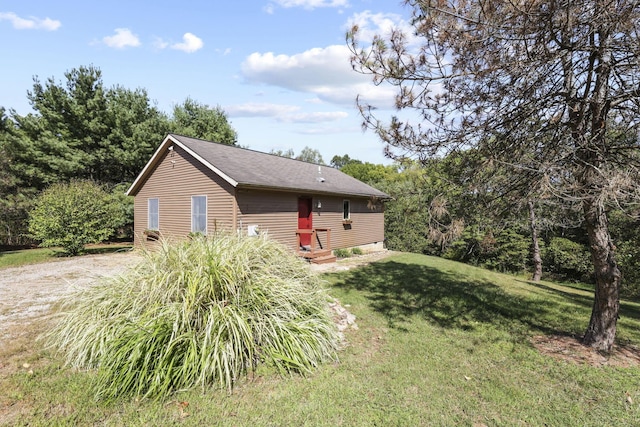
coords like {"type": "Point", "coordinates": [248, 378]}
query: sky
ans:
{"type": "Point", "coordinates": [279, 68]}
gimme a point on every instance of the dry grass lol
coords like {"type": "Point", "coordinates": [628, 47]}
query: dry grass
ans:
{"type": "Point", "coordinates": [200, 313]}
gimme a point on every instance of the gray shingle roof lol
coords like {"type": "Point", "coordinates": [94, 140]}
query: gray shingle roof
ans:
{"type": "Point", "coordinates": [250, 168]}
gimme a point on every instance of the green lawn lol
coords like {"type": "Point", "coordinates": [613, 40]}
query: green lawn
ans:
{"type": "Point", "coordinates": [439, 344]}
{"type": "Point", "coordinates": [33, 256]}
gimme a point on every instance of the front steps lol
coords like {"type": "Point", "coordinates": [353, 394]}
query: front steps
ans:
{"type": "Point", "coordinates": [319, 256]}
{"type": "Point", "coordinates": [326, 259]}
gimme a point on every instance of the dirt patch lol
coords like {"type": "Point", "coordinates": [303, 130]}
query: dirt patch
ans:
{"type": "Point", "coordinates": [28, 292]}
{"type": "Point", "coordinates": [570, 349]}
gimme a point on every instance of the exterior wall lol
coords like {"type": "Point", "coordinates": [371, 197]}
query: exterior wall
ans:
{"type": "Point", "coordinates": [176, 178]}
{"type": "Point", "coordinates": [367, 225]}
{"type": "Point", "coordinates": [277, 214]}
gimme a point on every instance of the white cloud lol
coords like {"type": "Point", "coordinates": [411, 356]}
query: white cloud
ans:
{"type": "Point", "coordinates": [121, 39]}
{"type": "Point", "coordinates": [311, 4]}
{"type": "Point", "coordinates": [317, 117]}
{"type": "Point", "coordinates": [328, 130]}
{"type": "Point", "coordinates": [324, 72]}
{"type": "Point", "coordinates": [190, 43]}
{"type": "Point", "coordinates": [370, 24]}
{"type": "Point", "coordinates": [283, 113]}
{"type": "Point", "coordinates": [32, 23]}
{"type": "Point", "coordinates": [158, 43]}
{"type": "Point", "coordinates": [260, 110]}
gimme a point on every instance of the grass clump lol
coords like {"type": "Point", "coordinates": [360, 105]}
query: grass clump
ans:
{"type": "Point", "coordinates": [342, 253]}
{"type": "Point", "coordinates": [200, 313]}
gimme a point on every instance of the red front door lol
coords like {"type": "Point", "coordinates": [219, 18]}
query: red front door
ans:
{"type": "Point", "coordinates": [305, 220]}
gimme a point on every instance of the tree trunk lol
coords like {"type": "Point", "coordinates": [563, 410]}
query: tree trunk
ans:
{"type": "Point", "coordinates": [535, 247]}
{"type": "Point", "coordinates": [601, 332]}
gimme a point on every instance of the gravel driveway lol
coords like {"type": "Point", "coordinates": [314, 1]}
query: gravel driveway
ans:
{"type": "Point", "coordinates": [28, 292]}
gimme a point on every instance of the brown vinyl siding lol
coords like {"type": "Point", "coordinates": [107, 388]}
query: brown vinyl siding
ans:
{"type": "Point", "coordinates": [277, 214]}
{"type": "Point", "coordinates": [366, 226]}
{"type": "Point", "coordinates": [175, 179]}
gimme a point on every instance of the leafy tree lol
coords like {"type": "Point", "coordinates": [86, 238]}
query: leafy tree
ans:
{"type": "Point", "coordinates": [15, 201]}
{"type": "Point", "coordinates": [136, 127]}
{"type": "Point", "coordinates": [73, 215]}
{"type": "Point", "coordinates": [306, 155]}
{"type": "Point", "coordinates": [418, 218]}
{"type": "Point", "coordinates": [534, 86]}
{"type": "Point", "coordinates": [197, 120]}
{"type": "Point", "coordinates": [567, 259]}
{"type": "Point", "coordinates": [369, 172]}
{"type": "Point", "coordinates": [310, 155]}
{"type": "Point", "coordinates": [339, 162]}
{"type": "Point", "coordinates": [80, 129]}
{"type": "Point", "coordinates": [289, 154]}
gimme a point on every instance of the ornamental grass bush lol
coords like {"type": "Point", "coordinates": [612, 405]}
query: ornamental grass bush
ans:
{"type": "Point", "coordinates": [205, 312]}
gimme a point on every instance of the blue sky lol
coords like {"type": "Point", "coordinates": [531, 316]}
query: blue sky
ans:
{"type": "Point", "coordinates": [279, 68]}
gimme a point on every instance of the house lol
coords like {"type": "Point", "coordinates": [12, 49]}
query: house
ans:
{"type": "Point", "coordinates": [196, 186]}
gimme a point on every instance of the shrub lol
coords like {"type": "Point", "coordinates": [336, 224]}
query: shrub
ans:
{"type": "Point", "coordinates": [567, 260]}
{"type": "Point", "coordinates": [505, 250]}
{"type": "Point", "coordinates": [124, 221]}
{"type": "Point", "coordinates": [625, 231]}
{"type": "Point", "coordinates": [356, 251]}
{"type": "Point", "coordinates": [512, 252]}
{"type": "Point", "coordinates": [73, 215]}
{"type": "Point", "coordinates": [342, 253]}
{"type": "Point", "coordinates": [204, 312]}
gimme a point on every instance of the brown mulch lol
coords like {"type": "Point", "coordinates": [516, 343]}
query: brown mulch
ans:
{"type": "Point", "coordinates": [571, 349]}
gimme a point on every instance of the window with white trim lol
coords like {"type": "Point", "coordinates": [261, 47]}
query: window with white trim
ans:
{"type": "Point", "coordinates": [199, 214]}
{"type": "Point", "coordinates": [153, 220]}
{"type": "Point", "coordinates": [346, 210]}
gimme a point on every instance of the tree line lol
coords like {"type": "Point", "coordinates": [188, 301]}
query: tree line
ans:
{"type": "Point", "coordinates": [82, 130]}
{"type": "Point", "coordinates": [446, 207]}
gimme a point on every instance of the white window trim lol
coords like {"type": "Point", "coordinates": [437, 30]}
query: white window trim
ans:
{"type": "Point", "coordinates": [206, 213]}
{"type": "Point", "coordinates": [149, 213]}
{"type": "Point", "coordinates": [348, 211]}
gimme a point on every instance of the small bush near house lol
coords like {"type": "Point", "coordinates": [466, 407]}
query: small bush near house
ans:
{"type": "Point", "coordinates": [73, 215]}
{"type": "Point", "coordinates": [124, 224]}
{"type": "Point", "coordinates": [342, 253]}
{"type": "Point", "coordinates": [356, 251]}
{"type": "Point", "coordinates": [204, 312]}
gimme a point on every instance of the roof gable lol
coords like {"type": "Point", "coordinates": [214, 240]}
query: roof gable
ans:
{"type": "Point", "coordinates": [244, 168]}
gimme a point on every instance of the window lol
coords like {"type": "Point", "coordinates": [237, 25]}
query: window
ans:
{"type": "Point", "coordinates": [346, 210]}
{"type": "Point", "coordinates": [153, 222]}
{"type": "Point", "coordinates": [199, 214]}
